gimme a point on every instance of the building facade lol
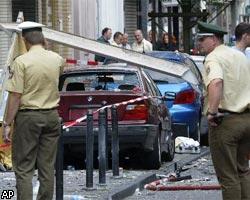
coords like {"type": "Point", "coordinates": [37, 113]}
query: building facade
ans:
{"type": "Point", "coordinates": [5, 16]}
{"type": "Point", "coordinates": [87, 18]}
{"type": "Point", "coordinates": [90, 17]}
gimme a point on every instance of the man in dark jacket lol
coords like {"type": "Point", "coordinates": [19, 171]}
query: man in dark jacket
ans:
{"type": "Point", "coordinates": [106, 35]}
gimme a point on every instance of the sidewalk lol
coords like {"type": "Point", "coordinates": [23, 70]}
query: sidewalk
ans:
{"type": "Point", "coordinates": [74, 183]}
{"type": "Point", "coordinates": [117, 188]}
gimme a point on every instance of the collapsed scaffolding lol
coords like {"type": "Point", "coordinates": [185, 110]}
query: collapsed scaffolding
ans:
{"type": "Point", "coordinates": [87, 45]}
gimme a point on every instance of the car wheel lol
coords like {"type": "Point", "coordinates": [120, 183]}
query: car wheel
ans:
{"type": "Point", "coordinates": [153, 158]}
{"type": "Point", "coordinates": [171, 149]}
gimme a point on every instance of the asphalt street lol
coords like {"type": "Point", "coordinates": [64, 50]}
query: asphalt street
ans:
{"type": "Point", "coordinates": [75, 180]}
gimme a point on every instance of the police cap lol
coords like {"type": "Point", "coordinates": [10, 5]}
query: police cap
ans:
{"type": "Point", "coordinates": [210, 29]}
{"type": "Point", "coordinates": [28, 26]}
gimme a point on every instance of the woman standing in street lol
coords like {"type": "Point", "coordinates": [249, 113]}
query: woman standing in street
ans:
{"type": "Point", "coordinates": [166, 44]}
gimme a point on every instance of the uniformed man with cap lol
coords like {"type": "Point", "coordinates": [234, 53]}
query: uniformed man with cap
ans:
{"type": "Point", "coordinates": [228, 102]}
{"type": "Point", "coordinates": [33, 100]}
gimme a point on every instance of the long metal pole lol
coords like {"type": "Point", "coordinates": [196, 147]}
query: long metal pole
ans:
{"type": "Point", "coordinates": [101, 148]}
{"type": "Point", "coordinates": [89, 150]}
{"type": "Point", "coordinates": [144, 17]}
{"type": "Point", "coordinates": [153, 24]}
{"type": "Point", "coordinates": [115, 142]}
{"type": "Point", "coordinates": [224, 8]}
{"type": "Point", "coordinates": [59, 167]}
{"type": "Point", "coordinates": [106, 135]}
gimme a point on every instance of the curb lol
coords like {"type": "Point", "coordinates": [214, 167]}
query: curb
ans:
{"type": "Point", "coordinates": [129, 189]}
{"type": "Point", "coordinates": [180, 163]}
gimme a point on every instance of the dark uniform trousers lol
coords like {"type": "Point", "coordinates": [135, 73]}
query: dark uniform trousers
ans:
{"type": "Point", "coordinates": [35, 140]}
{"type": "Point", "coordinates": [230, 147]}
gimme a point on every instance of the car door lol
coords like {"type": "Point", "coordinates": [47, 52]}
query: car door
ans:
{"type": "Point", "coordinates": [164, 115]}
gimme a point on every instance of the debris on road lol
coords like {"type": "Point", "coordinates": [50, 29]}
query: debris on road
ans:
{"type": "Point", "coordinates": [155, 185]}
{"type": "Point", "coordinates": [174, 181]}
{"type": "Point", "coordinates": [186, 145]}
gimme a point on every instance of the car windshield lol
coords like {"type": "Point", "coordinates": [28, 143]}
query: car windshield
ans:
{"type": "Point", "coordinates": [92, 81]}
{"type": "Point", "coordinates": [163, 78]}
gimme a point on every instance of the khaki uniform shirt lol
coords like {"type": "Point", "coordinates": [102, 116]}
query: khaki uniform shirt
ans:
{"type": "Point", "coordinates": [144, 46]}
{"type": "Point", "coordinates": [35, 75]}
{"type": "Point", "coordinates": [233, 68]}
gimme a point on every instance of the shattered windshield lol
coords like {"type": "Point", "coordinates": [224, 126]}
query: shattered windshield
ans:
{"type": "Point", "coordinates": [92, 81]}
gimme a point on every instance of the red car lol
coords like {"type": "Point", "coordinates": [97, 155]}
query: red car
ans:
{"type": "Point", "coordinates": [143, 126]}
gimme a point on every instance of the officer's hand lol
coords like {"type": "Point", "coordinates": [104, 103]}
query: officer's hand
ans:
{"type": "Point", "coordinates": [210, 119]}
{"type": "Point", "coordinates": [215, 120]}
{"type": "Point", "coordinates": [6, 134]}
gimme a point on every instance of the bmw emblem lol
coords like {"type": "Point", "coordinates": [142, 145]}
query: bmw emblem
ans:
{"type": "Point", "coordinates": [90, 98]}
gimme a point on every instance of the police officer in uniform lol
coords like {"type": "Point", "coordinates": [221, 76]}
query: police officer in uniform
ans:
{"type": "Point", "coordinates": [228, 102]}
{"type": "Point", "coordinates": [32, 104]}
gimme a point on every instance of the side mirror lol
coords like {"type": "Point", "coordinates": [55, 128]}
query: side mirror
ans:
{"type": "Point", "coordinates": [169, 96]}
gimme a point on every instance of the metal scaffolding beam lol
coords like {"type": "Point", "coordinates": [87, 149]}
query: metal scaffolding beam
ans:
{"type": "Point", "coordinates": [124, 55]}
{"type": "Point", "coordinates": [171, 14]}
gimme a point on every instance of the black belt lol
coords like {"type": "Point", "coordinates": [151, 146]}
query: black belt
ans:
{"type": "Point", "coordinates": [36, 110]}
{"type": "Point", "coordinates": [230, 112]}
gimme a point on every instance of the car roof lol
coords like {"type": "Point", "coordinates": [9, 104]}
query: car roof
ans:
{"type": "Point", "coordinates": [197, 58]}
{"type": "Point", "coordinates": [121, 67]}
{"type": "Point", "coordinates": [174, 56]}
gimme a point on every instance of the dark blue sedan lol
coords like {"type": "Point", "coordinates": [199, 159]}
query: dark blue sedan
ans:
{"type": "Point", "coordinates": [185, 101]}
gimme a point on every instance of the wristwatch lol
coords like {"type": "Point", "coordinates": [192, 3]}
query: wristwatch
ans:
{"type": "Point", "coordinates": [5, 124]}
{"type": "Point", "coordinates": [212, 114]}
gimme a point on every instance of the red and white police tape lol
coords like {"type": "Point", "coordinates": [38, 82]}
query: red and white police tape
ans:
{"type": "Point", "coordinates": [4, 146]}
{"type": "Point", "coordinates": [72, 123]}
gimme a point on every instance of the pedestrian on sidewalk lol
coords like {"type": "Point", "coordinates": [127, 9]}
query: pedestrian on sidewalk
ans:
{"type": "Point", "coordinates": [228, 103]}
{"type": "Point", "coordinates": [242, 36]}
{"type": "Point", "coordinates": [165, 44]}
{"type": "Point", "coordinates": [125, 43]}
{"type": "Point", "coordinates": [140, 44]}
{"type": "Point", "coordinates": [32, 104]}
{"type": "Point", "coordinates": [153, 39]}
{"type": "Point", "coordinates": [106, 36]}
{"type": "Point", "coordinates": [117, 39]}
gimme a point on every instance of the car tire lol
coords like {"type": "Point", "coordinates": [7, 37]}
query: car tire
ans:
{"type": "Point", "coordinates": [153, 158]}
{"type": "Point", "coordinates": [171, 149]}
